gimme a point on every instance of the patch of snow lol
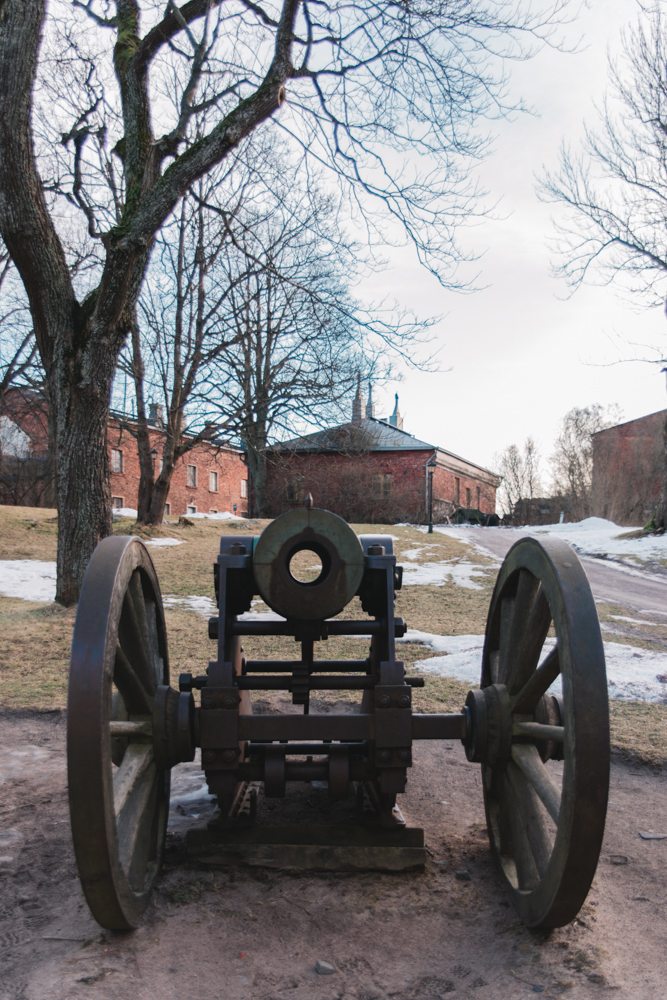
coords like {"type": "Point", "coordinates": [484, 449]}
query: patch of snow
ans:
{"type": "Point", "coordinates": [164, 542]}
{"type": "Point", "coordinates": [632, 673]}
{"type": "Point", "coordinates": [223, 515]}
{"type": "Point", "coordinates": [260, 616]}
{"type": "Point", "coordinates": [461, 574]}
{"type": "Point", "coordinates": [203, 606]}
{"type": "Point", "coordinates": [28, 579]}
{"type": "Point", "coordinates": [123, 512]}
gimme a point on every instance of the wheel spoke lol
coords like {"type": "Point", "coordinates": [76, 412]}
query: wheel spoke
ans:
{"type": "Point", "coordinates": [521, 853]}
{"type": "Point", "coordinates": [137, 809]}
{"type": "Point", "coordinates": [533, 818]}
{"type": "Point", "coordinates": [130, 685]}
{"type": "Point", "coordinates": [505, 646]}
{"type": "Point", "coordinates": [538, 683]}
{"type": "Point", "coordinates": [530, 638]}
{"type": "Point", "coordinates": [528, 760]}
{"type": "Point", "coordinates": [133, 636]}
{"type": "Point", "coordinates": [130, 776]}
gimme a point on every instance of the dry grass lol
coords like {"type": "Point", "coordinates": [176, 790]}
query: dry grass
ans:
{"type": "Point", "coordinates": [35, 638]}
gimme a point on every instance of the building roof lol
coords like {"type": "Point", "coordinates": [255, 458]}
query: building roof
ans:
{"type": "Point", "coordinates": [374, 435]}
{"type": "Point", "coordinates": [368, 434]}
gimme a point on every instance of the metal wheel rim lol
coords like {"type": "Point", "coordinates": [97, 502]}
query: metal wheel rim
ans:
{"type": "Point", "coordinates": [118, 811]}
{"type": "Point", "coordinates": [553, 894]}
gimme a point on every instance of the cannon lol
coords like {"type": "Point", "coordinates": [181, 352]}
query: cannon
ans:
{"type": "Point", "coordinates": [538, 724]}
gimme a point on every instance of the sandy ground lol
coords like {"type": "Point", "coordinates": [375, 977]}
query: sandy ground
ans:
{"type": "Point", "coordinates": [248, 933]}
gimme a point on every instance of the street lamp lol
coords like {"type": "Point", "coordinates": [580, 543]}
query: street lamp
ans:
{"type": "Point", "coordinates": [430, 469]}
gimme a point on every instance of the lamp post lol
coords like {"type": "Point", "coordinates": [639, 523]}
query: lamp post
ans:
{"type": "Point", "coordinates": [430, 469]}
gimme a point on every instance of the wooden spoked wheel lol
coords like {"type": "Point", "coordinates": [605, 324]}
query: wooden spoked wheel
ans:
{"type": "Point", "coordinates": [118, 795]}
{"type": "Point", "coordinates": [541, 729]}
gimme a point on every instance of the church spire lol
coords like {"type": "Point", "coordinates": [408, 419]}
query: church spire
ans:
{"type": "Point", "coordinates": [396, 420]}
{"type": "Point", "coordinates": [357, 403]}
{"type": "Point", "coordinates": [369, 404]}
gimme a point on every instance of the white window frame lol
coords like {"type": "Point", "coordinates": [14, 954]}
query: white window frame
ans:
{"type": "Point", "coordinates": [191, 475]}
{"type": "Point", "coordinates": [244, 489]}
{"type": "Point", "coordinates": [117, 460]}
{"type": "Point", "coordinates": [213, 478]}
{"type": "Point", "coordinates": [119, 505]}
{"type": "Point", "coordinates": [191, 508]}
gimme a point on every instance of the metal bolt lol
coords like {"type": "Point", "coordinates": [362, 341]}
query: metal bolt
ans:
{"type": "Point", "coordinates": [229, 755]}
{"type": "Point", "coordinates": [208, 757]}
{"type": "Point", "coordinates": [384, 756]}
{"type": "Point", "coordinates": [384, 700]}
{"type": "Point", "coordinates": [404, 755]}
{"type": "Point", "coordinates": [405, 699]}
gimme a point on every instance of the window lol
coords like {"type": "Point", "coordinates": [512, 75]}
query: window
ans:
{"type": "Point", "coordinates": [116, 460]}
{"type": "Point", "coordinates": [191, 509]}
{"type": "Point", "coordinates": [457, 486]}
{"type": "Point", "coordinates": [479, 498]}
{"type": "Point", "coordinates": [468, 497]}
{"type": "Point", "coordinates": [213, 482]}
{"type": "Point", "coordinates": [167, 509]}
{"type": "Point", "coordinates": [382, 484]}
{"type": "Point", "coordinates": [192, 475]}
{"type": "Point", "coordinates": [244, 490]}
{"type": "Point", "coordinates": [213, 510]}
{"type": "Point", "coordinates": [117, 503]}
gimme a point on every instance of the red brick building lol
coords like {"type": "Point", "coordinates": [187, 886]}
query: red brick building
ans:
{"type": "Point", "coordinates": [210, 478]}
{"type": "Point", "coordinates": [371, 470]}
{"type": "Point", "coordinates": [629, 469]}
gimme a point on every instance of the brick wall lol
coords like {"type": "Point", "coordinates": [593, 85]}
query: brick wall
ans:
{"type": "Point", "coordinates": [370, 487]}
{"type": "Point", "coordinates": [227, 463]}
{"type": "Point", "coordinates": [628, 469]}
{"type": "Point", "coordinates": [462, 490]}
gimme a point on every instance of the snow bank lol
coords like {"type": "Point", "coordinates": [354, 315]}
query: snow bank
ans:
{"type": "Point", "coordinates": [163, 542]}
{"type": "Point", "coordinates": [632, 673]}
{"type": "Point", "coordinates": [595, 536]}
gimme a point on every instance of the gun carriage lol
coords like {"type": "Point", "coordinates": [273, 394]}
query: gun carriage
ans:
{"type": "Point", "coordinates": [538, 723]}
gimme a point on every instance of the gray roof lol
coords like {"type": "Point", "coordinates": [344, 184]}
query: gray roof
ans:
{"type": "Point", "coordinates": [361, 435]}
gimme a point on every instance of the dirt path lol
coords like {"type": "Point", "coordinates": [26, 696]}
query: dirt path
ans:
{"type": "Point", "coordinates": [634, 587]}
{"type": "Point", "coordinates": [254, 934]}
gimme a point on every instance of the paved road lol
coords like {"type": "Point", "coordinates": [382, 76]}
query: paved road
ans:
{"type": "Point", "coordinates": [626, 586]}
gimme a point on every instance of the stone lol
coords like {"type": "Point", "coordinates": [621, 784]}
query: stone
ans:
{"type": "Point", "coordinates": [324, 968]}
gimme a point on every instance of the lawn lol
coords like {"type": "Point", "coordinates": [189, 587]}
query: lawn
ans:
{"type": "Point", "coordinates": [35, 637]}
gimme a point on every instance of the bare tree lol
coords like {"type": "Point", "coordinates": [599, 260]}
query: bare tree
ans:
{"type": "Point", "coordinates": [365, 80]}
{"type": "Point", "coordinates": [179, 332]}
{"type": "Point", "coordinates": [572, 460]}
{"type": "Point", "coordinates": [296, 340]}
{"type": "Point", "coordinates": [614, 189]}
{"type": "Point", "coordinates": [520, 473]}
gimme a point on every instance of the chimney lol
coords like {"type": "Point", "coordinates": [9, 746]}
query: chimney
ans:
{"type": "Point", "coordinates": [156, 414]}
{"type": "Point", "coordinates": [356, 404]}
{"type": "Point", "coordinates": [369, 405]}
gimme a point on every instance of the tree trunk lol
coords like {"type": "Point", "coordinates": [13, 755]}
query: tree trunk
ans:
{"type": "Point", "coordinates": [82, 471]}
{"type": "Point", "coordinates": [257, 482]}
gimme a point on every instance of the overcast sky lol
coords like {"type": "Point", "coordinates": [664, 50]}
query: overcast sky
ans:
{"type": "Point", "coordinates": [521, 352]}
